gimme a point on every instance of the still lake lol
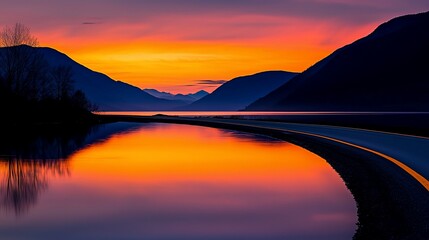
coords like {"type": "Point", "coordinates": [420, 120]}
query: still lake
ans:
{"type": "Point", "coordinates": [169, 181]}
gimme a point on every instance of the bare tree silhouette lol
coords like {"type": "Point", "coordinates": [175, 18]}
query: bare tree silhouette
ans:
{"type": "Point", "coordinates": [62, 77]}
{"type": "Point", "coordinates": [21, 67]}
{"type": "Point", "coordinates": [17, 35]}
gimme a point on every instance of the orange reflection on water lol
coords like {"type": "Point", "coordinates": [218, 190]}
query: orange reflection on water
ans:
{"type": "Point", "coordinates": [157, 154]}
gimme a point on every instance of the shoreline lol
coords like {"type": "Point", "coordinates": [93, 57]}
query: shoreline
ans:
{"type": "Point", "coordinates": [391, 203]}
{"type": "Point", "coordinates": [414, 123]}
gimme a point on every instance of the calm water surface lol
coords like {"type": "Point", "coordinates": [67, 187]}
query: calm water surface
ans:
{"type": "Point", "coordinates": [166, 181]}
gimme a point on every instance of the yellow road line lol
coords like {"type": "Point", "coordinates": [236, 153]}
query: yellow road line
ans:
{"type": "Point", "coordinates": [422, 180]}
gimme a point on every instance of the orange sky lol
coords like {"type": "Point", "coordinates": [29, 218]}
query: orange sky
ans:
{"type": "Point", "coordinates": [177, 66]}
{"type": "Point", "coordinates": [172, 46]}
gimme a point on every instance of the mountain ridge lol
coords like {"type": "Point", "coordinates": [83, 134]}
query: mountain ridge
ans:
{"type": "Point", "coordinates": [380, 72]}
{"type": "Point", "coordinates": [100, 89]}
{"type": "Point", "coordinates": [187, 98]}
{"type": "Point", "coordinates": [237, 93]}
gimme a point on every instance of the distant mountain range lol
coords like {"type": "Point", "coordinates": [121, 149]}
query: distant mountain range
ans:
{"type": "Point", "coordinates": [107, 94]}
{"type": "Point", "coordinates": [238, 93]}
{"type": "Point", "coordinates": [386, 71]}
{"type": "Point", "coordinates": [186, 98]}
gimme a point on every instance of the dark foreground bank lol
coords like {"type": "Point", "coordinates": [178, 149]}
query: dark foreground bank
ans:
{"type": "Point", "coordinates": [391, 203]}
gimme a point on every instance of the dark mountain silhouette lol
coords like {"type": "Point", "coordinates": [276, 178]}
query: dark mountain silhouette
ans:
{"type": "Point", "coordinates": [386, 71]}
{"type": "Point", "coordinates": [187, 98]}
{"type": "Point", "coordinates": [101, 90]}
{"type": "Point", "coordinates": [239, 92]}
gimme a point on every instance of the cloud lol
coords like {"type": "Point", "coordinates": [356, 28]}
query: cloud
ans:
{"type": "Point", "coordinates": [206, 83]}
{"type": "Point", "coordinates": [210, 82]}
{"type": "Point", "coordinates": [91, 23]}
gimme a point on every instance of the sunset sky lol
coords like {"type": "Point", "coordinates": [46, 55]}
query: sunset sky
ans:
{"type": "Point", "coordinates": [180, 46]}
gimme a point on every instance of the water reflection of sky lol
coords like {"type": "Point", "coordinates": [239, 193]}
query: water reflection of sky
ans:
{"type": "Point", "coordinates": [184, 182]}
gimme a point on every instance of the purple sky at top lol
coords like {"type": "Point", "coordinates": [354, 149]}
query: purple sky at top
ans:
{"type": "Point", "coordinates": [52, 14]}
